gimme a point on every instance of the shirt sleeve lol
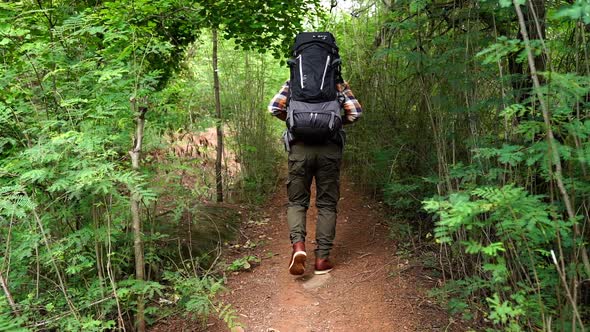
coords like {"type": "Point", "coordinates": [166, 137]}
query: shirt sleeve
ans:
{"type": "Point", "coordinates": [352, 108]}
{"type": "Point", "coordinates": [278, 104]}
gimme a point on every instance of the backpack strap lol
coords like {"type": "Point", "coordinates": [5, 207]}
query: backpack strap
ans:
{"type": "Point", "coordinates": [338, 64]}
{"type": "Point", "coordinates": [290, 119]}
{"type": "Point", "coordinates": [287, 140]}
{"type": "Point", "coordinates": [288, 101]}
{"type": "Point", "coordinates": [331, 123]}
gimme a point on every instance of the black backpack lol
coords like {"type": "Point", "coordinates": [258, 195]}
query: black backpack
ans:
{"type": "Point", "coordinates": [313, 111]}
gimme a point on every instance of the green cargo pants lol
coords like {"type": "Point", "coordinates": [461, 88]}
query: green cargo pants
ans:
{"type": "Point", "coordinates": [305, 163]}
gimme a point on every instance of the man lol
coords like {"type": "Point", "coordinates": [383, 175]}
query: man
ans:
{"type": "Point", "coordinates": [322, 162]}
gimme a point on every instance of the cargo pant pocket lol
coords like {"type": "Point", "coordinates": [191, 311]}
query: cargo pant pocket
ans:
{"type": "Point", "coordinates": [297, 186]}
{"type": "Point", "coordinates": [328, 181]}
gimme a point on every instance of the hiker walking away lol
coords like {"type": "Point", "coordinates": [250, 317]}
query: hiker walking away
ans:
{"type": "Point", "coordinates": [310, 102]}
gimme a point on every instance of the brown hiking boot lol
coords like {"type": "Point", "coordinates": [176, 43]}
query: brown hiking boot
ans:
{"type": "Point", "coordinates": [297, 265]}
{"type": "Point", "coordinates": [323, 266]}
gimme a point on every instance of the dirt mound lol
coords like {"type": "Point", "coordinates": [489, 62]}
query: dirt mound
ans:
{"type": "Point", "coordinates": [194, 154]}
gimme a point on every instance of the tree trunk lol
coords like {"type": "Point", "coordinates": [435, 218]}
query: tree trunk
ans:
{"type": "Point", "coordinates": [8, 295]}
{"type": "Point", "coordinates": [534, 16]}
{"type": "Point", "coordinates": [135, 207]}
{"type": "Point", "coordinates": [218, 160]}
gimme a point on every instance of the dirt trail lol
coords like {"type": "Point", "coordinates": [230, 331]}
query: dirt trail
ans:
{"type": "Point", "coordinates": [371, 289]}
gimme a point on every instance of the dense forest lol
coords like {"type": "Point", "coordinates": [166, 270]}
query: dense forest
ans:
{"type": "Point", "coordinates": [135, 135]}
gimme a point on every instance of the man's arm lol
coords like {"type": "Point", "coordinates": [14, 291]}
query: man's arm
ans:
{"type": "Point", "coordinates": [352, 108]}
{"type": "Point", "coordinates": [278, 104]}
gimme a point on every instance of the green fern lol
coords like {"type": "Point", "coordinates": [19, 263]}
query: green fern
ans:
{"type": "Point", "coordinates": [227, 314]}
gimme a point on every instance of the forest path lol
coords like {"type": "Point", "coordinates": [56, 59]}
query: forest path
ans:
{"type": "Point", "coordinates": [370, 289]}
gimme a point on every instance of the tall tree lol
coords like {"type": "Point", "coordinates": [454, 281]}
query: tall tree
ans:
{"type": "Point", "coordinates": [138, 247]}
{"type": "Point", "coordinates": [219, 125]}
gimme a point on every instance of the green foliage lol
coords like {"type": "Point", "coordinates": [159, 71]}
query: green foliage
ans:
{"type": "Point", "coordinates": [260, 25]}
{"type": "Point", "coordinates": [503, 229]}
{"type": "Point", "coordinates": [243, 263]}
{"type": "Point", "coordinates": [197, 297]}
{"type": "Point", "coordinates": [504, 313]}
{"type": "Point", "coordinates": [578, 10]}
{"type": "Point", "coordinates": [228, 315]}
{"type": "Point", "coordinates": [462, 129]}
{"type": "Point", "coordinates": [7, 321]}
{"type": "Point", "coordinates": [253, 131]}
{"type": "Point", "coordinates": [508, 3]}
{"type": "Point", "coordinates": [67, 75]}
{"type": "Point", "coordinates": [194, 294]}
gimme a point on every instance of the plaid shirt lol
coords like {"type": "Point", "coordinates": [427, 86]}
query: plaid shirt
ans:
{"type": "Point", "coordinates": [352, 108]}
